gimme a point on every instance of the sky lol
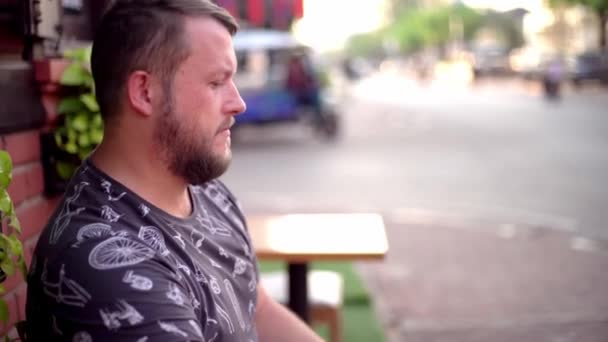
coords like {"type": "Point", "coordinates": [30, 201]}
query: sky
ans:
{"type": "Point", "coordinates": [328, 23]}
{"type": "Point", "coordinates": [504, 5]}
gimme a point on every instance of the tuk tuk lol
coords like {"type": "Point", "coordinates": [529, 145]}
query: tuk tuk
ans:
{"type": "Point", "coordinates": [265, 59]}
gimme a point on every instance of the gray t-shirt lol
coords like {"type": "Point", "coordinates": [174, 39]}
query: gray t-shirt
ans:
{"type": "Point", "coordinates": [110, 266]}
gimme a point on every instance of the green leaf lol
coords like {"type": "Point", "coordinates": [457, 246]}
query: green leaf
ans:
{"type": "Point", "coordinates": [96, 136]}
{"type": "Point", "coordinates": [97, 121]}
{"type": "Point", "coordinates": [65, 170]}
{"type": "Point", "coordinates": [71, 147]}
{"type": "Point", "coordinates": [58, 135]}
{"type": "Point", "coordinates": [15, 245]}
{"type": "Point", "coordinates": [6, 168]}
{"type": "Point", "coordinates": [71, 104]}
{"type": "Point", "coordinates": [80, 122]}
{"type": "Point", "coordinates": [74, 75]}
{"type": "Point", "coordinates": [22, 267]}
{"type": "Point", "coordinates": [83, 140]}
{"type": "Point", "coordinates": [2, 289]}
{"type": "Point", "coordinates": [8, 267]}
{"type": "Point", "coordinates": [6, 206]}
{"type": "Point", "coordinates": [90, 101]}
{"type": "Point", "coordinates": [14, 222]}
{"type": "Point", "coordinates": [3, 311]}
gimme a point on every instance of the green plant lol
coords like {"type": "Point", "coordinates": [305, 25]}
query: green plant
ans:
{"type": "Point", "coordinates": [80, 128]}
{"type": "Point", "coordinates": [11, 249]}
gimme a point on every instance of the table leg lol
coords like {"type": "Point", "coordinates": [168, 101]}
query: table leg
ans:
{"type": "Point", "coordinates": [298, 290]}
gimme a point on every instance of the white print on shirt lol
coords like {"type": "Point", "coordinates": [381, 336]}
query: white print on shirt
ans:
{"type": "Point", "coordinates": [197, 238]}
{"type": "Point", "coordinates": [198, 275]}
{"type": "Point", "coordinates": [183, 268]}
{"type": "Point", "coordinates": [64, 290]}
{"type": "Point", "coordinates": [117, 252]}
{"type": "Point", "coordinates": [251, 309]}
{"type": "Point", "coordinates": [175, 294]}
{"type": "Point", "coordinates": [143, 339]}
{"type": "Point", "coordinates": [246, 250]}
{"type": "Point", "coordinates": [235, 303]}
{"type": "Point", "coordinates": [213, 338]}
{"type": "Point", "coordinates": [107, 188]}
{"type": "Point", "coordinates": [144, 211]}
{"type": "Point", "coordinates": [215, 286]}
{"type": "Point", "coordinates": [195, 303]}
{"type": "Point", "coordinates": [82, 336]}
{"type": "Point", "coordinates": [109, 214]}
{"type": "Point", "coordinates": [65, 215]}
{"type": "Point", "coordinates": [56, 329]}
{"type": "Point", "coordinates": [223, 253]}
{"type": "Point", "coordinates": [251, 285]}
{"type": "Point", "coordinates": [224, 316]}
{"type": "Point", "coordinates": [180, 241]}
{"type": "Point", "coordinates": [215, 264]}
{"type": "Point", "coordinates": [219, 227]}
{"type": "Point", "coordinates": [196, 328]}
{"type": "Point", "coordinates": [93, 230]}
{"type": "Point", "coordinates": [137, 282]}
{"type": "Point", "coordinates": [218, 197]}
{"type": "Point", "coordinates": [124, 312]}
{"type": "Point", "coordinates": [213, 225]}
{"type": "Point", "coordinates": [153, 237]}
{"type": "Point", "coordinates": [172, 328]}
{"type": "Point", "coordinates": [240, 266]}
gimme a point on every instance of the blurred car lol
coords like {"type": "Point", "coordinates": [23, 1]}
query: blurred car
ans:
{"type": "Point", "coordinates": [590, 66]}
{"type": "Point", "coordinates": [491, 62]}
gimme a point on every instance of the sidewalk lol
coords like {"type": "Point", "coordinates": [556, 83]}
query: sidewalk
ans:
{"type": "Point", "coordinates": [464, 282]}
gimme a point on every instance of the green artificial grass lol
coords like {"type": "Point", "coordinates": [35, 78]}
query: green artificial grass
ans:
{"type": "Point", "coordinates": [359, 319]}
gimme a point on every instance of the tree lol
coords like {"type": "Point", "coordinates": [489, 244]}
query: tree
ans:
{"type": "Point", "coordinates": [600, 7]}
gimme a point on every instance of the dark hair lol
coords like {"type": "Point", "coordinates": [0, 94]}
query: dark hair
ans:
{"type": "Point", "coordinates": [144, 35]}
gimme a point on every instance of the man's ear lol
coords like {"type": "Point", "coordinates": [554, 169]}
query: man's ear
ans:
{"type": "Point", "coordinates": [140, 92]}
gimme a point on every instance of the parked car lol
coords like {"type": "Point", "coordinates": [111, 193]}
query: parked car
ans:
{"type": "Point", "coordinates": [590, 66]}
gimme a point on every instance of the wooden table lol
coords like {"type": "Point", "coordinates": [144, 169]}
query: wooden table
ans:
{"type": "Point", "coordinates": [301, 238]}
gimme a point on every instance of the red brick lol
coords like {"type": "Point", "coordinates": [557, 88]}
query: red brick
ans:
{"type": "Point", "coordinates": [21, 295]}
{"type": "Point", "coordinates": [23, 147]}
{"type": "Point", "coordinates": [50, 70]}
{"type": "Point", "coordinates": [33, 215]}
{"type": "Point", "coordinates": [11, 301]}
{"type": "Point", "coordinates": [13, 281]}
{"type": "Point", "coordinates": [28, 181]}
{"type": "Point", "coordinates": [50, 102]}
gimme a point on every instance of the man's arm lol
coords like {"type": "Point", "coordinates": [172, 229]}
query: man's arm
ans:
{"type": "Point", "coordinates": [276, 323]}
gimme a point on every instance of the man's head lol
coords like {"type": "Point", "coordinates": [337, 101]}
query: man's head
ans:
{"type": "Point", "coordinates": [169, 64]}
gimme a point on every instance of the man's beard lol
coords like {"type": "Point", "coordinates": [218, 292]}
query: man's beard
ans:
{"type": "Point", "coordinates": [189, 156]}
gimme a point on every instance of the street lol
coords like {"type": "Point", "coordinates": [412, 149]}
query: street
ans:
{"type": "Point", "coordinates": [496, 152]}
{"type": "Point", "coordinates": [494, 202]}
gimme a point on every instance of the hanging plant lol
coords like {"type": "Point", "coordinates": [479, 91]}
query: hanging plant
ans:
{"type": "Point", "coordinates": [11, 249]}
{"type": "Point", "coordinates": [80, 128]}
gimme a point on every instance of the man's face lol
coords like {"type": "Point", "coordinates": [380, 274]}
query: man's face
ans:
{"type": "Point", "coordinates": [192, 129]}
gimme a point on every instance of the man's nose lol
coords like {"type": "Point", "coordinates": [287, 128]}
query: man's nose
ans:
{"type": "Point", "coordinates": [236, 105]}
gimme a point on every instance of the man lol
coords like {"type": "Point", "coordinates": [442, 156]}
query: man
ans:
{"type": "Point", "coordinates": [304, 86]}
{"type": "Point", "coordinates": [147, 245]}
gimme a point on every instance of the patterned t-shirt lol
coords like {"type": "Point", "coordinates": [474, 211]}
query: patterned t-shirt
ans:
{"type": "Point", "coordinates": [110, 266]}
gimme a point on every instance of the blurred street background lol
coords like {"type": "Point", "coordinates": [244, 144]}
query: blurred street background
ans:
{"type": "Point", "coordinates": [478, 129]}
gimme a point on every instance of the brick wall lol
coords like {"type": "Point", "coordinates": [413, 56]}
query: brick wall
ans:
{"type": "Point", "coordinates": [26, 189]}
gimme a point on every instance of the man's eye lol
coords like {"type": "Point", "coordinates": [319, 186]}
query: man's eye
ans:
{"type": "Point", "coordinates": [215, 84]}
